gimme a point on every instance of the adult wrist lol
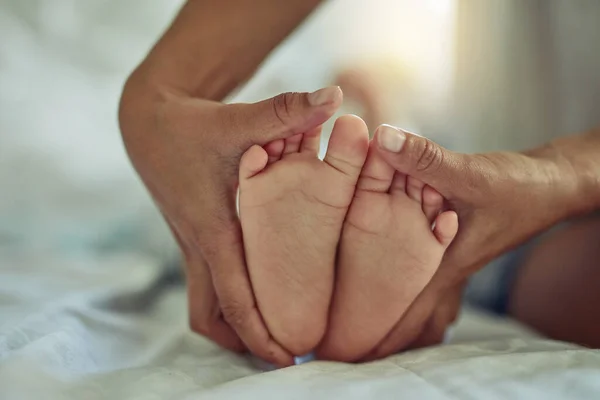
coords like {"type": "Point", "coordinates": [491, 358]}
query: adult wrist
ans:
{"type": "Point", "coordinates": [137, 94]}
{"type": "Point", "coordinates": [572, 189]}
{"type": "Point", "coordinates": [166, 73]}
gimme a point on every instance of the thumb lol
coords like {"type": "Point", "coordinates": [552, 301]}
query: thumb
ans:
{"type": "Point", "coordinates": [286, 114]}
{"type": "Point", "coordinates": [419, 157]}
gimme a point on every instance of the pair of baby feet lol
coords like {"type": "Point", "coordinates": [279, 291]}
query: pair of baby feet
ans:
{"type": "Point", "coordinates": [337, 249]}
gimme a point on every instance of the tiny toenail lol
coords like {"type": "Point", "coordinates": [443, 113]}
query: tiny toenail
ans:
{"type": "Point", "coordinates": [391, 138]}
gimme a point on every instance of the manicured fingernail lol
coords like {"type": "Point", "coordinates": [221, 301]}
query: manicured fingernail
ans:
{"type": "Point", "coordinates": [324, 96]}
{"type": "Point", "coordinates": [390, 138]}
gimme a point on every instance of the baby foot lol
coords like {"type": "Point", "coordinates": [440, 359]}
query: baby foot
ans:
{"type": "Point", "coordinates": [292, 208]}
{"type": "Point", "coordinates": [388, 253]}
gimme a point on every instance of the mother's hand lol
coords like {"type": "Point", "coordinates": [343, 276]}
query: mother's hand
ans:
{"type": "Point", "coordinates": [502, 199]}
{"type": "Point", "coordinates": [186, 151]}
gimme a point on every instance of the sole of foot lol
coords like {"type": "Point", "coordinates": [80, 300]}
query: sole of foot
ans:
{"type": "Point", "coordinates": [292, 209]}
{"type": "Point", "coordinates": [393, 241]}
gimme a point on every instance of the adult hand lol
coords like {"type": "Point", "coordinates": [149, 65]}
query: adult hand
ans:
{"type": "Point", "coordinates": [186, 151]}
{"type": "Point", "coordinates": [501, 199]}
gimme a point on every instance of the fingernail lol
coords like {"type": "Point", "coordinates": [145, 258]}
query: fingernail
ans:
{"type": "Point", "coordinates": [324, 96]}
{"type": "Point", "coordinates": [391, 138]}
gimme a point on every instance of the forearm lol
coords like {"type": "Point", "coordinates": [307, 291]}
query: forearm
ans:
{"type": "Point", "coordinates": [214, 45]}
{"type": "Point", "coordinates": [575, 162]}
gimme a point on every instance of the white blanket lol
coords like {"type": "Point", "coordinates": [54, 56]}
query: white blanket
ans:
{"type": "Point", "coordinates": [114, 327]}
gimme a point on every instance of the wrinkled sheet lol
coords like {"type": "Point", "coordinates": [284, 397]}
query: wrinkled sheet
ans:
{"type": "Point", "coordinates": [114, 327]}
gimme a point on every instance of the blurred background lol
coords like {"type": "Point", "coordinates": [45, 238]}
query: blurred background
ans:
{"type": "Point", "coordinates": [472, 75]}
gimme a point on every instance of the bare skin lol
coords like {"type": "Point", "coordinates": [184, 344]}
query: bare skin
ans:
{"type": "Point", "coordinates": [292, 207]}
{"type": "Point", "coordinates": [388, 253]}
{"type": "Point", "coordinates": [489, 192]}
{"type": "Point", "coordinates": [186, 148]}
{"type": "Point", "coordinates": [556, 290]}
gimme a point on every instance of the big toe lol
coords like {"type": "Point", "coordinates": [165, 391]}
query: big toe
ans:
{"type": "Point", "coordinates": [348, 145]}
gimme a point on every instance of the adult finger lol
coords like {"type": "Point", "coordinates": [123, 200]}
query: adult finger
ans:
{"type": "Point", "coordinates": [203, 307]}
{"type": "Point", "coordinates": [442, 318]}
{"type": "Point", "coordinates": [225, 255]}
{"type": "Point", "coordinates": [205, 315]}
{"type": "Point", "coordinates": [284, 115]}
{"type": "Point", "coordinates": [410, 326]}
{"type": "Point", "coordinates": [420, 158]}
{"type": "Point", "coordinates": [415, 321]}
{"type": "Point", "coordinates": [407, 329]}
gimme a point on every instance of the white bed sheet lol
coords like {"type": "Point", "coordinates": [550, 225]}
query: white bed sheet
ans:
{"type": "Point", "coordinates": [104, 327]}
